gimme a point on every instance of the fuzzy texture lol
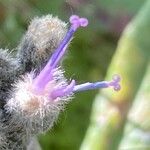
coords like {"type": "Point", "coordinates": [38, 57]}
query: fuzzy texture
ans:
{"type": "Point", "coordinates": [33, 83]}
{"type": "Point", "coordinates": [37, 111]}
{"type": "Point", "coordinates": [31, 114]}
{"type": "Point", "coordinates": [8, 67]}
{"type": "Point", "coordinates": [41, 39]}
{"type": "Point", "coordinates": [23, 113]}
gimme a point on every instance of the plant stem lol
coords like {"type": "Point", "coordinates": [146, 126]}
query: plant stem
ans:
{"type": "Point", "coordinates": [137, 130]}
{"type": "Point", "coordinates": [110, 109]}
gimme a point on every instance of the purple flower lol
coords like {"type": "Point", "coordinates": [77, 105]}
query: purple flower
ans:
{"type": "Point", "coordinates": [48, 74]}
{"type": "Point", "coordinates": [36, 101]}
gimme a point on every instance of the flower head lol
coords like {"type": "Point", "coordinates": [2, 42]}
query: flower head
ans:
{"type": "Point", "coordinates": [40, 98]}
{"type": "Point", "coordinates": [47, 75]}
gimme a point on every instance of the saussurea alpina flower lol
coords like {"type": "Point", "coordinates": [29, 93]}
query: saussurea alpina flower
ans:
{"type": "Point", "coordinates": [47, 75]}
{"type": "Point", "coordinates": [37, 99]}
{"type": "Point", "coordinates": [44, 95]}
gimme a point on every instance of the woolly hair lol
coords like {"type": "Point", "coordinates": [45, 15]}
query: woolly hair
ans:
{"type": "Point", "coordinates": [8, 67]}
{"type": "Point", "coordinates": [33, 101]}
{"type": "Point", "coordinates": [19, 123]}
{"type": "Point", "coordinates": [37, 112]}
{"type": "Point", "coordinates": [33, 113]}
{"type": "Point", "coordinates": [41, 39]}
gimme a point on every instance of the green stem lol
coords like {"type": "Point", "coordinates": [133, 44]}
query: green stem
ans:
{"type": "Point", "coordinates": [137, 130]}
{"type": "Point", "coordinates": [110, 109]}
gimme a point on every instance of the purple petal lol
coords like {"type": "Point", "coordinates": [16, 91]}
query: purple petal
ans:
{"type": "Point", "coordinates": [64, 91]}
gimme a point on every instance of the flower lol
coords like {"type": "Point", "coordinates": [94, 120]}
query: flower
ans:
{"type": "Point", "coordinates": [47, 75]}
{"type": "Point", "coordinates": [45, 94]}
{"type": "Point", "coordinates": [38, 99]}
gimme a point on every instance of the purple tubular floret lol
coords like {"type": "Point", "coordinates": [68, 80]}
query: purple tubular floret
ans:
{"type": "Point", "coordinates": [76, 22]}
{"type": "Point", "coordinates": [60, 51]}
{"type": "Point", "coordinates": [63, 91]}
{"type": "Point", "coordinates": [97, 85]}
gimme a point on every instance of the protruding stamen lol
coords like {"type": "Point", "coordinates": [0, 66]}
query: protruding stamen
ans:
{"type": "Point", "coordinates": [104, 84]}
{"type": "Point", "coordinates": [45, 75]}
{"type": "Point", "coordinates": [63, 91]}
{"type": "Point", "coordinates": [90, 86]}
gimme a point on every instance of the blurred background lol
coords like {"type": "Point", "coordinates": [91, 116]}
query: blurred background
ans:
{"type": "Point", "coordinates": [88, 59]}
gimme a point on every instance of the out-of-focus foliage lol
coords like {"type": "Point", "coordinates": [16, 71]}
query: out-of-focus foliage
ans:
{"type": "Point", "coordinates": [110, 109]}
{"type": "Point", "coordinates": [88, 58]}
{"type": "Point", "coordinates": [137, 130]}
